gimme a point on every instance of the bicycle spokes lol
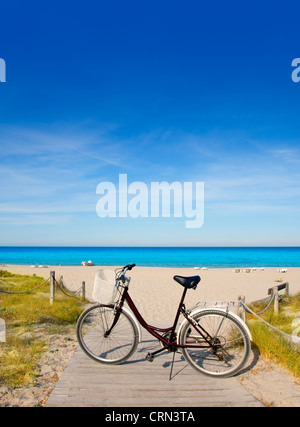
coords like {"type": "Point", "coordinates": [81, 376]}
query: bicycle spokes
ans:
{"type": "Point", "coordinates": [216, 343]}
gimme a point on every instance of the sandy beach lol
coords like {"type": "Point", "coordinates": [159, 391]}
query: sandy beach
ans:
{"type": "Point", "coordinates": [156, 294]}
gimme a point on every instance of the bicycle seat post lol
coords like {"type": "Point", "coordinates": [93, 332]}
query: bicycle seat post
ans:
{"type": "Point", "coordinates": [181, 304]}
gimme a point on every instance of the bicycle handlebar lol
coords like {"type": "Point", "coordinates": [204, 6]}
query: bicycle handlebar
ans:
{"type": "Point", "coordinates": [121, 275]}
{"type": "Point", "coordinates": [128, 267]}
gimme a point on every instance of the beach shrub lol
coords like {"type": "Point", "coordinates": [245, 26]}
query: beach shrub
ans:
{"type": "Point", "coordinates": [4, 273]}
{"type": "Point", "coordinates": [271, 344]}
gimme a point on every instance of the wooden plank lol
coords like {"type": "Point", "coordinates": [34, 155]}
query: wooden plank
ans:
{"type": "Point", "coordinates": [279, 287]}
{"type": "Point", "coordinates": [138, 383]}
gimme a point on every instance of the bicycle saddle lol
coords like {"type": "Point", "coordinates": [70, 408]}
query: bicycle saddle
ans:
{"type": "Point", "coordinates": [188, 282]}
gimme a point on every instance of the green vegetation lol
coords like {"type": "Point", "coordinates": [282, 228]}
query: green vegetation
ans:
{"type": "Point", "coordinates": [29, 320]}
{"type": "Point", "coordinates": [271, 344]}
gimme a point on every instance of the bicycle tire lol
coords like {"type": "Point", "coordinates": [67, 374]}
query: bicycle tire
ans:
{"type": "Point", "coordinates": [118, 346]}
{"type": "Point", "coordinates": [228, 349]}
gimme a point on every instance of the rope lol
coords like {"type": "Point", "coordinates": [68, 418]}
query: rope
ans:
{"type": "Point", "coordinates": [24, 292]}
{"type": "Point", "coordinates": [265, 309]}
{"type": "Point", "coordinates": [39, 286]}
{"type": "Point", "coordinates": [64, 292]}
{"type": "Point", "coordinates": [248, 309]}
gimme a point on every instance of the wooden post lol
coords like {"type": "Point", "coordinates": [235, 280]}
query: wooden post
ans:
{"type": "Point", "coordinates": [276, 300]}
{"type": "Point", "coordinates": [287, 289]}
{"type": "Point", "coordinates": [83, 291]}
{"type": "Point", "coordinates": [52, 287]}
{"type": "Point", "coordinates": [241, 309]}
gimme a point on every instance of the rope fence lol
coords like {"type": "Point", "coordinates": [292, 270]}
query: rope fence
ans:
{"type": "Point", "coordinates": [274, 296]}
{"type": "Point", "coordinates": [80, 290]}
{"type": "Point", "coordinates": [53, 284]}
{"type": "Point", "coordinates": [292, 337]}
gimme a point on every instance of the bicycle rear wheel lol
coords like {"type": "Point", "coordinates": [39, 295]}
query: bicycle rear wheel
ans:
{"type": "Point", "coordinates": [225, 344]}
{"type": "Point", "coordinates": [115, 348]}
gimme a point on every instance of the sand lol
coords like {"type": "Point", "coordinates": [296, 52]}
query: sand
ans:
{"type": "Point", "coordinates": [156, 294]}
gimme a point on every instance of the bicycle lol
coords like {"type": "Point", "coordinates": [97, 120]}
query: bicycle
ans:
{"type": "Point", "coordinates": [214, 341]}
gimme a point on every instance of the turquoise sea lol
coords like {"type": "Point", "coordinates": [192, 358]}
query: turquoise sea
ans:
{"type": "Point", "coordinates": [155, 256]}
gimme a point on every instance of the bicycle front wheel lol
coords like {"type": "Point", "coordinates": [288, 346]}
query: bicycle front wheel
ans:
{"type": "Point", "coordinates": [217, 345]}
{"type": "Point", "coordinates": [115, 348]}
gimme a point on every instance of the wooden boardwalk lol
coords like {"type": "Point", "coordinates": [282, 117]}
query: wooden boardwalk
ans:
{"type": "Point", "coordinates": [138, 383]}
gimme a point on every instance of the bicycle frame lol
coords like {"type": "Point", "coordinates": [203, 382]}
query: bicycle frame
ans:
{"type": "Point", "coordinates": [155, 331]}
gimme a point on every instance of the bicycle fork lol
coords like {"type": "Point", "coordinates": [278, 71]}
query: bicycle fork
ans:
{"type": "Point", "coordinates": [116, 318]}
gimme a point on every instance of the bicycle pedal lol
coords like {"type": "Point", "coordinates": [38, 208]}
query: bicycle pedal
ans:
{"type": "Point", "coordinates": [150, 357]}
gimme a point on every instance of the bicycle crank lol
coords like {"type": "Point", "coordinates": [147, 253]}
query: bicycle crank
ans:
{"type": "Point", "coordinates": [150, 356]}
{"type": "Point", "coordinates": [168, 347]}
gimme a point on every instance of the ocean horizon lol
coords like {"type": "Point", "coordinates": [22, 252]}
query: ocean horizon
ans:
{"type": "Point", "coordinates": [210, 257]}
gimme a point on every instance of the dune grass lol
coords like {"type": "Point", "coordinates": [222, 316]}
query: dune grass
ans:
{"type": "Point", "coordinates": [273, 345]}
{"type": "Point", "coordinates": [29, 320]}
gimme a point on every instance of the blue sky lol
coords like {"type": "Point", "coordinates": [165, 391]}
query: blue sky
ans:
{"type": "Point", "coordinates": [160, 91]}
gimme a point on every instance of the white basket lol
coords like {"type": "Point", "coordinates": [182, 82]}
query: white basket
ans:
{"type": "Point", "coordinates": [104, 287]}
